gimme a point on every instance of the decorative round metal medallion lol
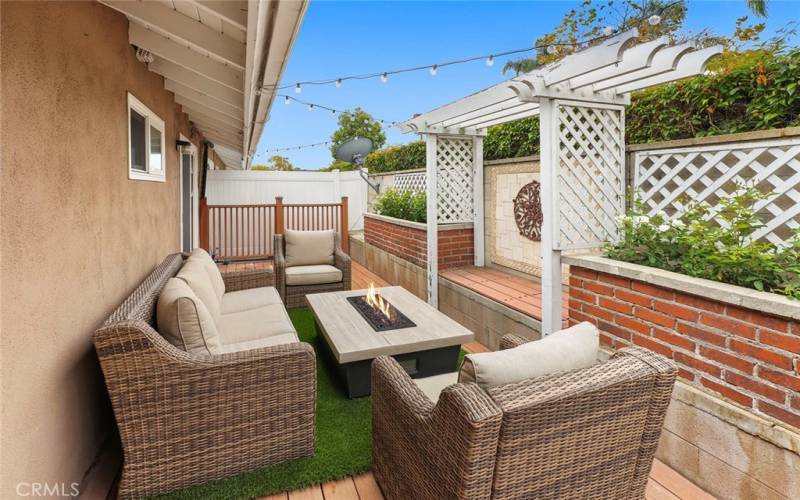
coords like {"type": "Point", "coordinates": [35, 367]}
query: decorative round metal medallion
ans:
{"type": "Point", "coordinates": [528, 211]}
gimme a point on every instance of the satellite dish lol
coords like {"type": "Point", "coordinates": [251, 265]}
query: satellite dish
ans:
{"type": "Point", "coordinates": [354, 150]}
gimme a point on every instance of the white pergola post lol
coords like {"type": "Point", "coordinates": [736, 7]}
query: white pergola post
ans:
{"type": "Point", "coordinates": [551, 255]}
{"type": "Point", "coordinates": [477, 201]}
{"type": "Point", "coordinates": [432, 219]}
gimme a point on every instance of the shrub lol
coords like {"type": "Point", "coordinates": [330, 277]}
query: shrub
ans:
{"type": "Point", "coordinates": [714, 245]}
{"type": "Point", "coordinates": [512, 140]}
{"type": "Point", "coordinates": [406, 205]}
{"type": "Point", "coordinates": [393, 158]}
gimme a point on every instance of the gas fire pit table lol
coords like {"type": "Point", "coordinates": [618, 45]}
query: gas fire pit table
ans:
{"type": "Point", "coordinates": [424, 341]}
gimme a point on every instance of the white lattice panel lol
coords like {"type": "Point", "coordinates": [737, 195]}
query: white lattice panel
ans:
{"type": "Point", "coordinates": [665, 178]}
{"type": "Point", "coordinates": [411, 181]}
{"type": "Point", "coordinates": [591, 174]}
{"type": "Point", "coordinates": [454, 179]}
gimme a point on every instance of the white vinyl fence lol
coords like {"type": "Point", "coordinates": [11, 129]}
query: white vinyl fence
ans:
{"type": "Point", "coordinates": [665, 178]}
{"type": "Point", "coordinates": [236, 187]}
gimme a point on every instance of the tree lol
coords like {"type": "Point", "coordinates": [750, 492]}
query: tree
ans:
{"type": "Point", "coordinates": [357, 123]}
{"type": "Point", "coordinates": [276, 163]}
{"type": "Point", "coordinates": [757, 7]}
{"type": "Point", "coordinates": [589, 22]}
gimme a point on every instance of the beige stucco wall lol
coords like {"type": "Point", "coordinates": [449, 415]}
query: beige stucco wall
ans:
{"type": "Point", "coordinates": [77, 235]}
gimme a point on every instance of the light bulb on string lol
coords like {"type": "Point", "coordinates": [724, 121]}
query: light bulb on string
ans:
{"type": "Point", "coordinates": [384, 78]}
{"type": "Point", "coordinates": [654, 20]}
{"type": "Point", "coordinates": [298, 88]}
{"type": "Point", "coordinates": [338, 82]}
{"type": "Point", "coordinates": [551, 49]}
{"type": "Point", "coordinates": [490, 61]}
{"type": "Point", "coordinates": [608, 30]}
{"type": "Point", "coordinates": [434, 69]}
{"type": "Point", "coordinates": [286, 100]}
{"type": "Point", "coordinates": [333, 111]}
{"type": "Point", "coordinates": [311, 107]}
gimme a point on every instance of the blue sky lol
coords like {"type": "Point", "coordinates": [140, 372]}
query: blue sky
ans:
{"type": "Point", "coordinates": [342, 38]}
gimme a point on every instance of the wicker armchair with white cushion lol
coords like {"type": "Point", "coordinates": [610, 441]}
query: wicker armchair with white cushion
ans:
{"type": "Point", "coordinates": [309, 262]}
{"type": "Point", "coordinates": [505, 428]}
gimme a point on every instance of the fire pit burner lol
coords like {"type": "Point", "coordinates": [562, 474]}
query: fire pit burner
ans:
{"type": "Point", "coordinates": [380, 321]}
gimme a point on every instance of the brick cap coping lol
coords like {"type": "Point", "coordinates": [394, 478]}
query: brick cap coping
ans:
{"type": "Point", "coordinates": [417, 225]}
{"type": "Point", "coordinates": [769, 303]}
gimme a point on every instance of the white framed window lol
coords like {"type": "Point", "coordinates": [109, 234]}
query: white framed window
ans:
{"type": "Point", "coordinates": [146, 143]}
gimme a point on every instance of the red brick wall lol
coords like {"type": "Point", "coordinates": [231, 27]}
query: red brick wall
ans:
{"type": "Point", "coordinates": [747, 356]}
{"type": "Point", "coordinates": [455, 245]}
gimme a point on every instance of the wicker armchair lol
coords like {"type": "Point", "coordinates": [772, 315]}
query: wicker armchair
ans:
{"type": "Point", "coordinates": [589, 433]}
{"type": "Point", "coordinates": [295, 295]}
{"type": "Point", "coordinates": [186, 419]}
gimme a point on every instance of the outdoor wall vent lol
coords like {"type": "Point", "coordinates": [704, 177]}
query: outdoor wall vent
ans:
{"type": "Point", "coordinates": [144, 56]}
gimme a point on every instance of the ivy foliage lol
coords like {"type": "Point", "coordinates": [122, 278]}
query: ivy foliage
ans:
{"type": "Point", "coordinates": [403, 157]}
{"type": "Point", "coordinates": [713, 243]}
{"type": "Point", "coordinates": [761, 94]}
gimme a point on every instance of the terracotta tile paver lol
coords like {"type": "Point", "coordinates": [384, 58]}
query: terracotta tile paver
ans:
{"type": "Point", "coordinates": [522, 295]}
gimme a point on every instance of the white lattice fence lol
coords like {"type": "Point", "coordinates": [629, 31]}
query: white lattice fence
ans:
{"type": "Point", "coordinates": [411, 181]}
{"type": "Point", "coordinates": [591, 174]}
{"type": "Point", "coordinates": [664, 179]}
{"type": "Point", "coordinates": [454, 179]}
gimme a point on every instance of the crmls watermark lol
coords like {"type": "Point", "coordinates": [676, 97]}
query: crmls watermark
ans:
{"type": "Point", "coordinates": [50, 490]}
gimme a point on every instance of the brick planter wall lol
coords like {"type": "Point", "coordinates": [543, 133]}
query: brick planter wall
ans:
{"type": "Point", "coordinates": [746, 355]}
{"type": "Point", "coordinates": [409, 241]}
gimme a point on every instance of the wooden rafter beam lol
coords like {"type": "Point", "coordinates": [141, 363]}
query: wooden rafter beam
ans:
{"type": "Point", "coordinates": [198, 82]}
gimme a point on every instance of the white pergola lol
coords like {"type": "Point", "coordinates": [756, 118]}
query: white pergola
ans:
{"type": "Point", "coordinates": [581, 103]}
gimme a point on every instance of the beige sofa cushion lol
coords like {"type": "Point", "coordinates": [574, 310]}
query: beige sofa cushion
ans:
{"type": "Point", "coordinates": [286, 338]}
{"type": "Point", "coordinates": [196, 276]}
{"type": "Point", "coordinates": [252, 298]}
{"type": "Point", "coordinates": [432, 386]}
{"type": "Point", "coordinates": [254, 324]}
{"type": "Point", "coordinates": [312, 275]}
{"type": "Point", "coordinates": [570, 349]}
{"type": "Point", "coordinates": [305, 248]}
{"type": "Point", "coordinates": [200, 255]}
{"type": "Point", "coordinates": [184, 320]}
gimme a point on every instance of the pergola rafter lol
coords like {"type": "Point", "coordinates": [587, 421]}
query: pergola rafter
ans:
{"type": "Point", "coordinates": [581, 102]}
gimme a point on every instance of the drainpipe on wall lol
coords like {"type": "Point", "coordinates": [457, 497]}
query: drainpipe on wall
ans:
{"type": "Point", "coordinates": [203, 204]}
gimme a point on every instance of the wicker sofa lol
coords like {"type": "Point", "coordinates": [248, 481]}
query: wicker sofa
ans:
{"type": "Point", "coordinates": [585, 433]}
{"type": "Point", "coordinates": [329, 269]}
{"type": "Point", "coordinates": [186, 418]}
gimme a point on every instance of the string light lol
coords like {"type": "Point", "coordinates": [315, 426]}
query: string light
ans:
{"type": "Point", "coordinates": [312, 106]}
{"type": "Point", "coordinates": [292, 148]}
{"type": "Point", "coordinates": [550, 48]}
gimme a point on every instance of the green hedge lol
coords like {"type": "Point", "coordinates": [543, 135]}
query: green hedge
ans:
{"type": "Point", "coordinates": [760, 94]}
{"type": "Point", "coordinates": [402, 205]}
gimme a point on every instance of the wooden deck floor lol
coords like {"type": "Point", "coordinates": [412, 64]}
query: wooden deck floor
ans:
{"type": "Point", "coordinates": [522, 295]}
{"type": "Point", "coordinates": [664, 484]}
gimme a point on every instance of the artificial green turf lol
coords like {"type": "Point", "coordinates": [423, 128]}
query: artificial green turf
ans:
{"type": "Point", "coordinates": [344, 439]}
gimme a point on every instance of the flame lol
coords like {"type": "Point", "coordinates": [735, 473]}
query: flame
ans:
{"type": "Point", "coordinates": [377, 302]}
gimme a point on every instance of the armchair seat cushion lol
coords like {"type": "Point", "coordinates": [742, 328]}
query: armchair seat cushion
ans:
{"type": "Point", "coordinates": [251, 298]}
{"type": "Point", "coordinates": [312, 275]}
{"type": "Point", "coordinates": [248, 345]}
{"type": "Point", "coordinates": [255, 324]}
{"type": "Point", "coordinates": [432, 386]}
